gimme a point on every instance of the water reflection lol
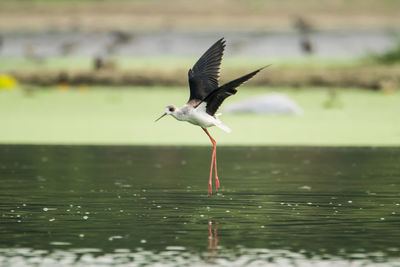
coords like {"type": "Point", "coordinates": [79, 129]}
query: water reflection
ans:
{"type": "Point", "coordinates": [212, 241]}
{"type": "Point", "coordinates": [212, 236]}
{"type": "Point", "coordinates": [121, 205]}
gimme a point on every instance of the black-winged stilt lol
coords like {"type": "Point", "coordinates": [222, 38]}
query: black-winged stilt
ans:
{"type": "Point", "coordinates": [206, 97]}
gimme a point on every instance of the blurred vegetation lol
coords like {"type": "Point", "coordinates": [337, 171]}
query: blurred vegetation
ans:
{"type": "Point", "coordinates": [391, 56]}
{"type": "Point", "coordinates": [172, 71]}
{"type": "Point", "coordinates": [188, 14]}
{"type": "Point", "coordinates": [256, 16]}
{"type": "Point", "coordinates": [75, 63]}
{"type": "Point", "coordinates": [7, 82]}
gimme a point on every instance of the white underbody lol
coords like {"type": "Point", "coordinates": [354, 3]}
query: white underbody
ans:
{"type": "Point", "coordinates": [198, 116]}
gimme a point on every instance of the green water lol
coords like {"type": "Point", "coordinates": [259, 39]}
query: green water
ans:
{"type": "Point", "coordinates": [125, 116]}
{"type": "Point", "coordinates": [107, 205]}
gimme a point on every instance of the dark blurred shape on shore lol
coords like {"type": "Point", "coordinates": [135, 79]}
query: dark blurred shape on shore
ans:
{"type": "Point", "coordinates": [304, 29]}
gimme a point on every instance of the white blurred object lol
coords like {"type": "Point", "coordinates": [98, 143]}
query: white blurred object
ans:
{"type": "Point", "coordinates": [266, 104]}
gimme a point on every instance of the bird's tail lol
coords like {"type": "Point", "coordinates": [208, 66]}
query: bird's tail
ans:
{"type": "Point", "coordinates": [223, 127]}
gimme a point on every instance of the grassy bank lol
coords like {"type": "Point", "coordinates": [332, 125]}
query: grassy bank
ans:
{"type": "Point", "coordinates": [189, 15]}
{"type": "Point", "coordinates": [101, 115]}
{"type": "Point", "coordinates": [166, 63]}
{"type": "Point", "coordinates": [167, 71]}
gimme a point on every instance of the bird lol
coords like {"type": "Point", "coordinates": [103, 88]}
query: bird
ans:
{"type": "Point", "coordinates": [206, 96]}
{"type": "Point", "coordinates": [304, 28]}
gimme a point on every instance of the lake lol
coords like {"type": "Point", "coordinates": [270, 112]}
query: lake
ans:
{"type": "Point", "coordinates": [148, 205]}
{"type": "Point", "coordinates": [280, 45]}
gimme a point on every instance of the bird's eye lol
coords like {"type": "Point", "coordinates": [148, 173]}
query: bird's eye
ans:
{"type": "Point", "coordinates": [171, 109]}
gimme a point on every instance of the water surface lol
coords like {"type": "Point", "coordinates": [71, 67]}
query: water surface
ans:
{"type": "Point", "coordinates": [333, 44]}
{"type": "Point", "coordinates": [106, 205]}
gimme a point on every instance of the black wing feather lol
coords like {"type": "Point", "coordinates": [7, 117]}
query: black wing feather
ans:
{"type": "Point", "coordinates": [203, 77]}
{"type": "Point", "coordinates": [216, 97]}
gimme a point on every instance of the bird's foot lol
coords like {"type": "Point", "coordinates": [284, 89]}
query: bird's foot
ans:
{"type": "Point", "coordinates": [209, 189]}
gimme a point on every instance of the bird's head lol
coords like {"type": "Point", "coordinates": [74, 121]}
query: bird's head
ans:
{"type": "Point", "coordinates": [170, 109]}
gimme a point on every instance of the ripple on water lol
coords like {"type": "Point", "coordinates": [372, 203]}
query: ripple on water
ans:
{"type": "Point", "coordinates": [309, 217]}
{"type": "Point", "coordinates": [179, 256]}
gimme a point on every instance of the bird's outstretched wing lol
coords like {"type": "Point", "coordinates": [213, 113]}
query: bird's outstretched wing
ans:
{"type": "Point", "coordinates": [216, 97]}
{"type": "Point", "coordinates": [204, 75]}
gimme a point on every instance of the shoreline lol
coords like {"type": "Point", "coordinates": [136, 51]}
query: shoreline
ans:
{"type": "Point", "coordinates": [374, 77]}
{"type": "Point", "coordinates": [225, 15]}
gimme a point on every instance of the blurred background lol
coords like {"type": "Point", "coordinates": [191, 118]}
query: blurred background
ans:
{"type": "Point", "coordinates": [100, 72]}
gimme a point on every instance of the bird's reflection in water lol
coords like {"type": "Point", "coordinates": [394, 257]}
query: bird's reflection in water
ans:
{"type": "Point", "coordinates": [212, 241]}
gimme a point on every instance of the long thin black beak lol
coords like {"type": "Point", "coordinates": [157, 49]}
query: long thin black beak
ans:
{"type": "Point", "coordinates": [161, 116]}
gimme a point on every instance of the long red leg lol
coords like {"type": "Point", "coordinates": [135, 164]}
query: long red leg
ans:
{"type": "Point", "coordinates": [210, 181]}
{"type": "Point", "coordinates": [216, 175]}
{"type": "Point", "coordinates": [213, 157]}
